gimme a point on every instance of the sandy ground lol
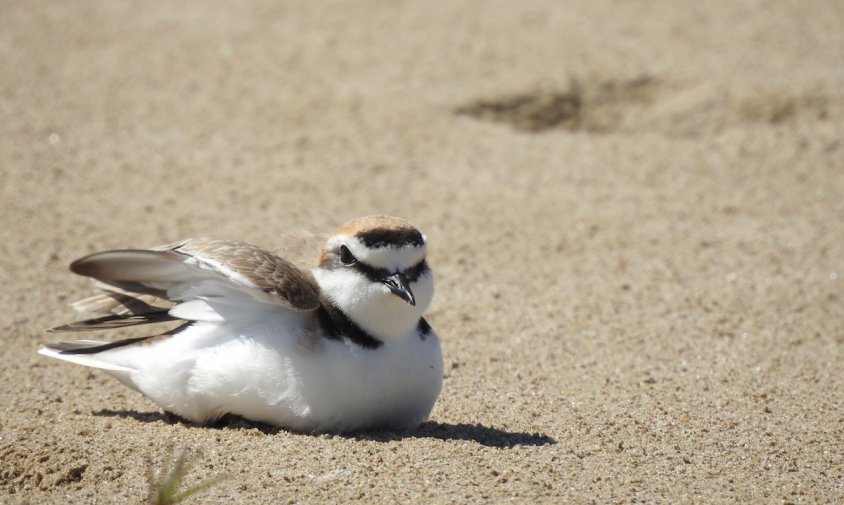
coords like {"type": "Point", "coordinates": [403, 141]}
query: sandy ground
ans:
{"type": "Point", "coordinates": [634, 208]}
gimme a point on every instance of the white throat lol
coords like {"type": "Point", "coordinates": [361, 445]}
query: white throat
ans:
{"type": "Point", "coordinates": [372, 306]}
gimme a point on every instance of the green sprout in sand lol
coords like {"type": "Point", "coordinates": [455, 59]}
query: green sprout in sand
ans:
{"type": "Point", "coordinates": [164, 487]}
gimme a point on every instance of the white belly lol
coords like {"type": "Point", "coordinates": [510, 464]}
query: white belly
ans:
{"type": "Point", "coordinates": [328, 385]}
{"type": "Point", "coordinates": [394, 386]}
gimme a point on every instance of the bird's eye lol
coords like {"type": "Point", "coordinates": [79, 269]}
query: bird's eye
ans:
{"type": "Point", "coordinates": [346, 256]}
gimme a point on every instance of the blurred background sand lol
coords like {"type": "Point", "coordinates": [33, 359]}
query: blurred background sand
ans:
{"type": "Point", "coordinates": [634, 208]}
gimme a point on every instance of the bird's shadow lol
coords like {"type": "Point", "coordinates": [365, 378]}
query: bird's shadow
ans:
{"type": "Point", "coordinates": [478, 433]}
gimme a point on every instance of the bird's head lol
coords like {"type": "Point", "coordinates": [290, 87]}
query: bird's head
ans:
{"type": "Point", "coordinates": [374, 270]}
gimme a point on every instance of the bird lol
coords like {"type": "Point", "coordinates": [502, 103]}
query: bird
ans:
{"type": "Point", "coordinates": [341, 348]}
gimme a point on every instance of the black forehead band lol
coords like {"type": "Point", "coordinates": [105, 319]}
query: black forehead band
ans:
{"type": "Point", "coordinates": [401, 237]}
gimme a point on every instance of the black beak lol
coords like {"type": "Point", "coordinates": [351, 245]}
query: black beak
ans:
{"type": "Point", "coordinates": [399, 286]}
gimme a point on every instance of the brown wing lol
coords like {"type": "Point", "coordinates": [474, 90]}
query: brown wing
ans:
{"type": "Point", "coordinates": [254, 267]}
{"type": "Point", "coordinates": [246, 266]}
{"type": "Point", "coordinates": [141, 286]}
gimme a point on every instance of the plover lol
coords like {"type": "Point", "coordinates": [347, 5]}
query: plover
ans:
{"type": "Point", "coordinates": [341, 348]}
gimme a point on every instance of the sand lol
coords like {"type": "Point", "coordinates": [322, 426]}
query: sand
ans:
{"type": "Point", "coordinates": [634, 210]}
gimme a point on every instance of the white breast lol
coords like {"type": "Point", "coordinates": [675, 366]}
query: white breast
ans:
{"type": "Point", "coordinates": [350, 388]}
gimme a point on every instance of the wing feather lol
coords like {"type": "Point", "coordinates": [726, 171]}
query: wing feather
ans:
{"type": "Point", "coordinates": [253, 267]}
{"type": "Point", "coordinates": [245, 267]}
{"type": "Point", "coordinates": [194, 280]}
{"type": "Point", "coordinates": [112, 321]}
{"type": "Point", "coordinates": [115, 301]}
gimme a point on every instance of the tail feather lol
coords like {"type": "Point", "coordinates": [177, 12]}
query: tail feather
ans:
{"type": "Point", "coordinates": [85, 352]}
{"type": "Point", "coordinates": [84, 359]}
{"type": "Point", "coordinates": [115, 321]}
{"type": "Point", "coordinates": [68, 347]}
{"type": "Point", "coordinates": [134, 286]}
